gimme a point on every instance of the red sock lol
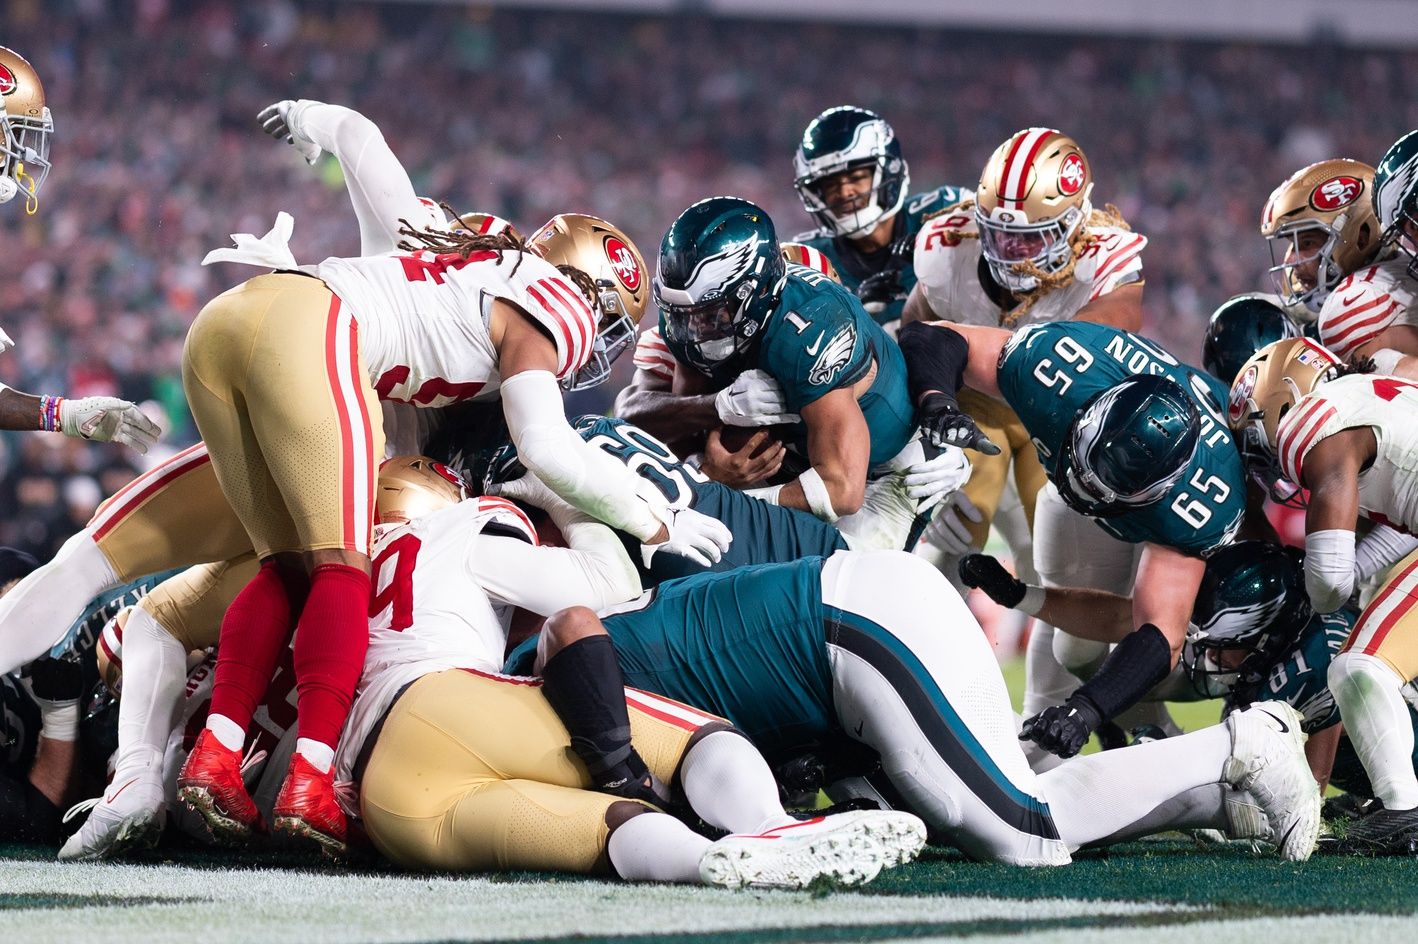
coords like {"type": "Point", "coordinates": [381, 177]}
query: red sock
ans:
{"type": "Point", "coordinates": [255, 628]}
{"type": "Point", "coordinates": [330, 643]}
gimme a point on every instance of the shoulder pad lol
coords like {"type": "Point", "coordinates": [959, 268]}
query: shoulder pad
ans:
{"type": "Point", "coordinates": [1309, 421]}
{"type": "Point", "coordinates": [1362, 305]}
{"type": "Point", "coordinates": [557, 305]}
{"type": "Point", "coordinates": [504, 518]}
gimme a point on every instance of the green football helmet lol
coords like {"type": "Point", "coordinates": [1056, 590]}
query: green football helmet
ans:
{"type": "Point", "coordinates": [1253, 599]}
{"type": "Point", "coordinates": [1240, 327]}
{"type": "Point", "coordinates": [1396, 196]}
{"type": "Point", "coordinates": [720, 277]}
{"type": "Point", "coordinates": [1128, 446]}
{"type": "Point", "coordinates": [841, 139]}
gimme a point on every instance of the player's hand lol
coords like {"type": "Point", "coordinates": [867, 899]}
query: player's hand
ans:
{"type": "Point", "coordinates": [278, 121]}
{"type": "Point", "coordinates": [1063, 729]}
{"type": "Point", "coordinates": [944, 424]}
{"type": "Point", "coordinates": [107, 419]}
{"type": "Point", "coordinates": [931, 473]}
{"type": "Point", "coordinates": [526, 488]}
{"type": "Point", "coordinates": [753, 399]}
{"type": "Point", "coordinates": [692, 535]}
{"type": "Point", "coordinates": [988, 574]}
{"type": "Point", "coordinates": [949, 532]}
{"type": "Point", "coordinates": [878, 291]}
{"type": "Point", "coordinates": [742, 469]}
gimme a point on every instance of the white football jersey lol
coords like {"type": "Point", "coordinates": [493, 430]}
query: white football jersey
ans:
{"type": "Point", "coordinates": [948, 262]}
{"type": "Point", "coordinates": [1388, 489]}
{"type": "Point", "coordinates": [1366, 302]}
{"type": "Point", "coordinates": [652, 354]}
{"type": "Point", "coordinates": [423, 318]}
{"type": "Point", "coordinates": [430, 611]}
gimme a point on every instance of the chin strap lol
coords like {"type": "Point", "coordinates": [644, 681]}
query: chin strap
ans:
{"type": "Point", "coordinates": [31, 199]}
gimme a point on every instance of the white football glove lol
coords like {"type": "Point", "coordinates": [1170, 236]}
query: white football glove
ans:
{"type": "Point", "coordinates": [753, 399]}
{"type": "Point", "coordinates": [694, 536]}
{"type": "Point", "coordinates": [282, 122]}
{"type": "Point", "coordinates": [528, 488]}
{"type": "Point", "coordinates": [107, 419]}
{"type": "Point", "coordinates": [948, 530]}
{"type": "Point", "coordinates": [931, 472]}
{"type": "Point", "coordinates": [5, 342]}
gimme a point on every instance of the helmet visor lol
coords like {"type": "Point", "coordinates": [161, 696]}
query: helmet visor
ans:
{"type": "Point", "coordinates": [1299, 260]}
{"type": "Point", "coordinates": [711, 320]}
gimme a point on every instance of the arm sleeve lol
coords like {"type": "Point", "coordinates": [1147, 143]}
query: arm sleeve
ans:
{"type": "Point", "coordinates": [379, 186]}
{"type": "Point", "coordinates": [1329, 568]}
{"type": "Point", "coordinates": [1380, 549]}
{"type": "Point", "coordinates": [571, 467]}
{"type": "Point", "coordinates": [594, 571]}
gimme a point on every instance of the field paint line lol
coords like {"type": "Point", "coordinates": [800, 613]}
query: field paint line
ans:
{"type": "Point", "coordinates": [274, 905]}
{"type": "Point", "coordinates": [1359, 927]}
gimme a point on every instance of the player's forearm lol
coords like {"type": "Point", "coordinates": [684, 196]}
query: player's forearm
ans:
{"type": "Point", "coordinates": [21, 411]}
{"type": "Point", "coordinates": [1088, 614]}
{"type": "Point", "coordinates": [52, 772]}
{"type": "Point", "coordinates": [665, 415]}
{"type": "Point", "coordinates": [1319, 753]}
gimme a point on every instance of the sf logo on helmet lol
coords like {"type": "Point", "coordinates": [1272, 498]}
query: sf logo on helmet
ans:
{"type": "Point", "coordinates": [1336, 192]}
{"type": "Point", "coordinates": [622, 262]}
{"type": "Point", "coordinates": [8, 82]}
{"type": "Point", "coordinates": [1071, 175]}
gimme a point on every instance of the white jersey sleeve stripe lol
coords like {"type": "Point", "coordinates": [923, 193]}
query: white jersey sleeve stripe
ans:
{"type": "Point", "coordinates": [1350, 331]}
{"type": "Point", "coordinates": [567, 347]}
{"type": "Point", "coordinates": [583, 320]}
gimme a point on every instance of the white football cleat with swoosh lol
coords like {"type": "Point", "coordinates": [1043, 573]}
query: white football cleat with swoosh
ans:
{"type": "Point", "coordinates": [1268, 761]}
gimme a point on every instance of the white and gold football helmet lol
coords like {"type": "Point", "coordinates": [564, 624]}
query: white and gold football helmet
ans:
{"type": "Point", "coordinates": [413, 486]}
{"type": "Point", "coordinates": [804, 255]}
{"type": "Point", "coordinates": [617, 268]}
{"type": "Point", "coordinates": [25, 129]}
{"type": "Point", "coordinates": [1320, 226]}
{"type": "Point", "coordinates": [1032, 201]}
{"type": "Point", "coordinates": [1269, 385]}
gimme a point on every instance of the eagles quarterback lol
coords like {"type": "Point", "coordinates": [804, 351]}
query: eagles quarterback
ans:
{"type": "Point", "coordinates": [1130, 438]}
{"type": "Point", "coordinates": [852, 178]}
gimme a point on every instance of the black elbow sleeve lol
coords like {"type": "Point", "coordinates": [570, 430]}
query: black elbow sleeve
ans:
{"type": "Point", "coordinates": [935, 358]}
{"type": "Point", "coordinates": [1135, 666]}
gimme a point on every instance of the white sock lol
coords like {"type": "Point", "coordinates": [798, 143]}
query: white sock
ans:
{"type": "Point", "coordinates": [228, 733]}
{"type": "Point", "coordinates": [1202, 807]}
{"type": "Point", "coordinates": [1368, 692]}
{"type": "Point", "coordinates": [729, 785]}
{"type": "Point", "coordinates": [318, 753]}
{"type": "Point", "coordinates": [40, 609]}
{"type": "Point", "coordinates": [653, 847]}
{"type": "Point", "coordinates": [154, 673]}
{"type": "Point", "coordinates": [1102, 794]}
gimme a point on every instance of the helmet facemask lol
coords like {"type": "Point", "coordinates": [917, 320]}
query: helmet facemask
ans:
{"type": "Point", "coordinates": [715, 330]}
{"type": "Point", "coordinates": [1018, 251]}
{"type": "Point", "coordinates": [1286, 257]}
{"type": "Point", "coordinates": [614, 336]}
{"type": "Point", "coordinates": [25, 155]}
{"type": "Point", "coordinates": [885, 198]}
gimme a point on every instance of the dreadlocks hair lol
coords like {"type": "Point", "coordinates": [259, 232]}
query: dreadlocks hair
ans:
{"type": "Point", "coordinates": [1355, 365]}
{"type": "Point", "coordinates": [463, 242]}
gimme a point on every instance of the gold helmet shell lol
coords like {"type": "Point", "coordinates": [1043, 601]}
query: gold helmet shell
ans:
{"type": "Point", "coordinates": [614, 263]}
{"type": "Point", "coordinates": [25, 130]}
{"type": "Point", "coordinates": [413, 486]}
{"type": "Point", "coordinates": [1271, 383]}
{"type": "Point", "coordinates": [1032, 199]}
{"type": "Point", "coordinates": [804, 255]}
{"type": "Point", "coordinates": [1335, 198]}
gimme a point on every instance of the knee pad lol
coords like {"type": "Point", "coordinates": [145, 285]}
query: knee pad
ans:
{"type": "Point", "coordinates": [1082, 657]}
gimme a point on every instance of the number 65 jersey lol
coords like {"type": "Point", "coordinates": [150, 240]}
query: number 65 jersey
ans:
{"type": "Point", "coordinates": [1048, 372]}
{"type": "Point", "coordinates": [1388, 488]}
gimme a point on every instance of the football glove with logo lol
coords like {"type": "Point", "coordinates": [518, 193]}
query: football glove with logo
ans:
{"type": "Point", "coordinates": [107, 419]}
{"type": "Point", "coordinates": [1063, 729]}
{"type": "Point", "coordinates": [755, 398]}
{"type": "Point", "coordinates": [943, 423]}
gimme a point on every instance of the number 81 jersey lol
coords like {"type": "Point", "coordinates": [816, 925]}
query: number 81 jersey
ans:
{"type": "Point", "coordinates": [1048, 372]}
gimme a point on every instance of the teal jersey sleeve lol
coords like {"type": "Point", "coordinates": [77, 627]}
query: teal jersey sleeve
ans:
{"type": "Point", "coordinates": [821, 339]}
{"type": "Point", "coordinates": [853, 266]}
{"type": "Point", "coordinates": [83, 635]}
{"type": "Point", "coordinates": [1301, 677]}
{"type": "Point", "coordinates": [748, 645]}
{"type": "Point", "coordinates": [1048, 372]}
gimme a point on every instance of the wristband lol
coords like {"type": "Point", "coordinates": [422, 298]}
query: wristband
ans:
{"type": "Point", "coordinates": [768, 493]}
{"type": "Point", "coordinates": [1386, 361]}
{"type": "Point", "coordinates": [1033, 600]}
{"type": "Point", "coordinates": [815, 491]}
{"type": "Point", "coordinates": [49, 413]}
{"type": "Point", "coordinates": [58, 720]}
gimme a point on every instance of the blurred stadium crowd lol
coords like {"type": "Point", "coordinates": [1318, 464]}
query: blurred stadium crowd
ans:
{"type": "Point", "coordinates": [530, 113]}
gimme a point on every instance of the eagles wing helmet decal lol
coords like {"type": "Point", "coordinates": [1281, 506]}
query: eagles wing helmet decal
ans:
{"type": "Point", "coordinates": [718, 271]}
{"type": "Point", "coordinates": [1230, 622]}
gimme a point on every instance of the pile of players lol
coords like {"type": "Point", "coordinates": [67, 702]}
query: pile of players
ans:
{"type": "Point", "coordinates": [642, 635]}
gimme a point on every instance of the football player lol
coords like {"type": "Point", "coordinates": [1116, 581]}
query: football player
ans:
{"type": "Point", "coordinates": [1144, 480]}
{"type": "Point", "coordinates": [25, 130]}
{"type": "Point", "coordinates": [853, 180]}
{"type": "Point", "coordinates": [1371, 312]}
{"type": "Point", "coordinates": [441, 786]}
{"type": "Point", "coordinates": [1348, 437]}
{"type": "Point", "coordinates": [1029, 248]}
{"type": "Point", "coordinates": [1320, 226]}
{"type": "Point", "coordinates": [876, 648]}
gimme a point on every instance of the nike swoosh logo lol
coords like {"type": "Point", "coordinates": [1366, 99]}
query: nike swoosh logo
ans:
{"type": "Point", "coordinates": [1284, 728]}
{"type": "Point", "coordinates": [1346, 302]}
{"type": "Point", "coordinates": [812, 351]}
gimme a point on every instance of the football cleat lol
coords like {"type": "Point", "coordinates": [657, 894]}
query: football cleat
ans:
{"type": "Point", "coordinates": [849, 848]}
{"type": "Point", "coordinates": [1268, 761]}
{"type": "Point", "coordinates": [211, 784]}
{"type": "Point", "coordinates": [129, 816]}
{"type": "Point", "coordinates": [1381, 833]}
{"type": "Point", "coordinates": [307, 806]}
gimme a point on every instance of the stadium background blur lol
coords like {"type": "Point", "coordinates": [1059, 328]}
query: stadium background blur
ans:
{"type": "Point", "coordinates": [527, 112]}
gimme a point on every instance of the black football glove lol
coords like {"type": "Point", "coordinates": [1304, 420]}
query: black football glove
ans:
{"type": "Point", "coordinates": [56, 680]}
{"type": "Point", "coordinates": [878, 291]}
{"type": "Point", "coordinates": [988, 574]}
{"type": "Point", "coordinates": [1063, 729]}
{"type": "Point", "coordinates": [943, 424]}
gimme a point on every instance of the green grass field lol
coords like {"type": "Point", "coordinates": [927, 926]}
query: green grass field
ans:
{"type": "Point", "coordinates": [1169, 890]}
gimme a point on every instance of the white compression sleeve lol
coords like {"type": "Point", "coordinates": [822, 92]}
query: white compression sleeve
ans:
{"type": "Point", "coordinates": [568, 465]}
{"type": "Point", "coordinates": [379, 186]}
{"type": "Point", "coordinates": [595, 571]}
{"type": "Point", "coordinates": [1380, 549]}
{"type": "Point", "coordinates": [154, 673]}
{"type": "Point", "coordinates": [655, 847]}
{"type": "Point", "coordinates": [40, 609]}
{"type": "Point", "coordinates": [728, 784]}
{"type": "Point", "coordinates": [1329, 568]}
{"type": "Point", "coordinates": [1376, 718]}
